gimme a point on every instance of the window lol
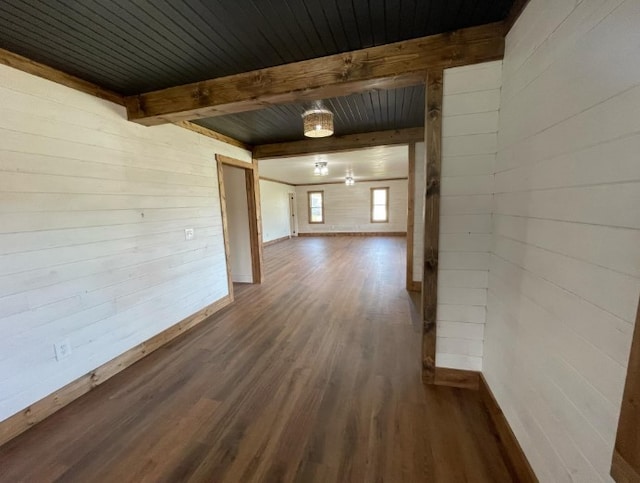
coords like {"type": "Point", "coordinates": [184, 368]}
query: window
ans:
{"type": "Point", "coordinates": [379, 205]}
{"type": "Point", "coordinates": [316, 206]}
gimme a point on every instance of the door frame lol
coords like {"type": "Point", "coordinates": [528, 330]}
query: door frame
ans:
{"type": "Point", "coordinates": [252, 181]}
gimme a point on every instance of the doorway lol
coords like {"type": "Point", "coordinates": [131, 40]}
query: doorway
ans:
{"type": "Point", "coordinates": [240, 208]}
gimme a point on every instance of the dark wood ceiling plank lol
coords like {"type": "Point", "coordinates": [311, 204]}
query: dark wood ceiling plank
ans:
{"type": "Point", "coordinates": [514, 14]}
{"type": "Point", "coordinates": [349, 142]}
{"type": "Point", "coordinates": [388, 66]}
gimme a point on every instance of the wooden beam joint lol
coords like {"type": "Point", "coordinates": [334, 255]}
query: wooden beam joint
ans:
{"type": "Point", "coordinates": [349, 142]}
{"type": "Point", "coordinates": [389, 66]}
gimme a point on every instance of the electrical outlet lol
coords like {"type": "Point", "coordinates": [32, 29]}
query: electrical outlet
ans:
{"type": "Point", "coordinates": [189, 234]}
{"type": "Point", "coordinates": [62, 349]}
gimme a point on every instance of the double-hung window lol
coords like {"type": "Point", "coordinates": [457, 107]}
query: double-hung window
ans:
{"type": "Point", "coordinates": [379, 205]}
{"type": "Point", "coordinates": [316, 206]}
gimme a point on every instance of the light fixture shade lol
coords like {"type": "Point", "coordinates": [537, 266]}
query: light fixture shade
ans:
{"type": "Point", "coordinates": [321, 169]}
{"type": "Point", "coordinates": [318, 123]}
{"type": "Point", "coordinates": [349, 181]}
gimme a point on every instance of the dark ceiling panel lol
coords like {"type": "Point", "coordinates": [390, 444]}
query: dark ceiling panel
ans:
{"type": "Point", "coordinates": [379, 110]}
{"type": "Point", "coordinates": [137, 46]}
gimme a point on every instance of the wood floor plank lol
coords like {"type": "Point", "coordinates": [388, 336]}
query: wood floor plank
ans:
{"type": "Point", "coordinates": [313, 376]}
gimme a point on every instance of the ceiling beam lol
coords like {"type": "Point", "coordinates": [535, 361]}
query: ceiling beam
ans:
{"type": "Point", "coordinates": [389, 66]}
{"type": "Point", "coordinates": [205, 131]}
{"type": "Point", "coordinates": [349, 142]}
{"type": "Point", "coordinates": [32, 67]}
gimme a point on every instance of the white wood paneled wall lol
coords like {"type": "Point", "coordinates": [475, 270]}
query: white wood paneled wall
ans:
{"type": "Point", "coordinates": [348, 208]}
{"type": "Point", "coordinates": [93, 210]}
{"type": "Point", "coordinates": [469, 130]}
{"type": "Point", "coordinates": [274, 201]}
{"type": "Point", "coordinates": [565, 265]}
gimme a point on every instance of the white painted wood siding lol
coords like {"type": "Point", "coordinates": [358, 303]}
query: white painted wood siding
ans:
{"type": "Point", "coordinates": [565, 265]}
{"type": "Point", "coordinates": [348, 208]}
{"type": "Point", "coordinates": [469, 130]}
{"type": "Point", "coordinates": [274, 201]}
{"type": "Point", "coordinates": [93, 210]}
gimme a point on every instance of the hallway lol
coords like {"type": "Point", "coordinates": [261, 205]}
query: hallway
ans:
{"type": "Point", "coordinates": [313, 376]}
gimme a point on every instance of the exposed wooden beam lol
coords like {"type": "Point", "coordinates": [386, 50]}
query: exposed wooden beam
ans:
{"type": "Point", "coordinates": [366, 180]}
{"type": "Point", "coordinates": [349, 142]}
{"type": "Point", "coordinates": [213, 134]}
{"type": "Point", "coordinates": [27, 65]}
{"type": "Point", "coordinates": [433, 142]}
{"type": "Point", "coordinates": [388, 66]}
{"type": "Point", "coordinates": [516, 10]}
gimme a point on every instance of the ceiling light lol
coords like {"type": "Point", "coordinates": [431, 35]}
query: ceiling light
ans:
{"type": "Point", "coordinates": [321, 169]}
{"type": "Point", "coordinates": [318, 123]}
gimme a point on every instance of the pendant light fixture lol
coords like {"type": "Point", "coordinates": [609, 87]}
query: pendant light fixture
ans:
{"type": "Point", "coordinates": [321, 169]}
{"type": "Point", "coordinates": [317, 122]}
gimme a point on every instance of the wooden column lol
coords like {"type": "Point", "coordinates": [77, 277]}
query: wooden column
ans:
{"type": "Point", "coordinates": [626, 455]}
{"type": "Point", "coordinates": [433, 141]}
{"type": "Point", "coordinates": [255, 221]}
{"type": "Point", "coordinates": [411, 194]}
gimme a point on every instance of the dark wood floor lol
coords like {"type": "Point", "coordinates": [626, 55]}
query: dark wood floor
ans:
{"type": "Point", "coordinates": [312, 377]}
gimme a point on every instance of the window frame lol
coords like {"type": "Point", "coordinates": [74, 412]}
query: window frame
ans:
{"type": "Point", "coordinates": [371, 205]}
{"type": "Point", "coordinates": [309, 193]}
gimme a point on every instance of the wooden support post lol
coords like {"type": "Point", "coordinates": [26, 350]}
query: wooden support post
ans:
{"type": "Point", "coordinates": [255, 221]}
{"type": "Point", "coordinates": [411, 194]}
{"type": "Point", "coordinates": [433, 140]}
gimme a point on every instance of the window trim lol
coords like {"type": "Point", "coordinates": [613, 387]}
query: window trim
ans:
{"type": "Point", "coordinates": [309, 193]}
{"type": "Point", "coordinates": [371, 205]}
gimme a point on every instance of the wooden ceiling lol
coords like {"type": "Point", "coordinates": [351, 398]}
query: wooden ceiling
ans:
{"type": "Point", "coordinates": [379, 110]}
{"type": "Point", "coordinates": [133, 47]}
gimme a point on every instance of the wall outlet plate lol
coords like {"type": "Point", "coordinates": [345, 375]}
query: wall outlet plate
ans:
{"type": "Point", "coordinates": [62, 349]}
{"type": "Point", "coordinates": [189, 233]}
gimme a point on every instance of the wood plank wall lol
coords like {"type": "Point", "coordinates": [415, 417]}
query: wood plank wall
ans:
{"type": "Point", "coordinates": [92, 244]}
{"type": "Point", "coordinates": [469, 137]}
{"type": "Point", "coordinates": [565, 266]}
{"type": "Point", "coordinates": [470, 122]}
{"type": "Point", "coordinates": [347, 208]}
{"type": "Point", "coordinates": [274, 199]}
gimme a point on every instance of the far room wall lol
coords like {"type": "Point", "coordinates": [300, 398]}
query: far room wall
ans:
{"type": "Point", "coordinates": [348, 208]}
{"type": "Point", "coordinates": [274, 201]}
